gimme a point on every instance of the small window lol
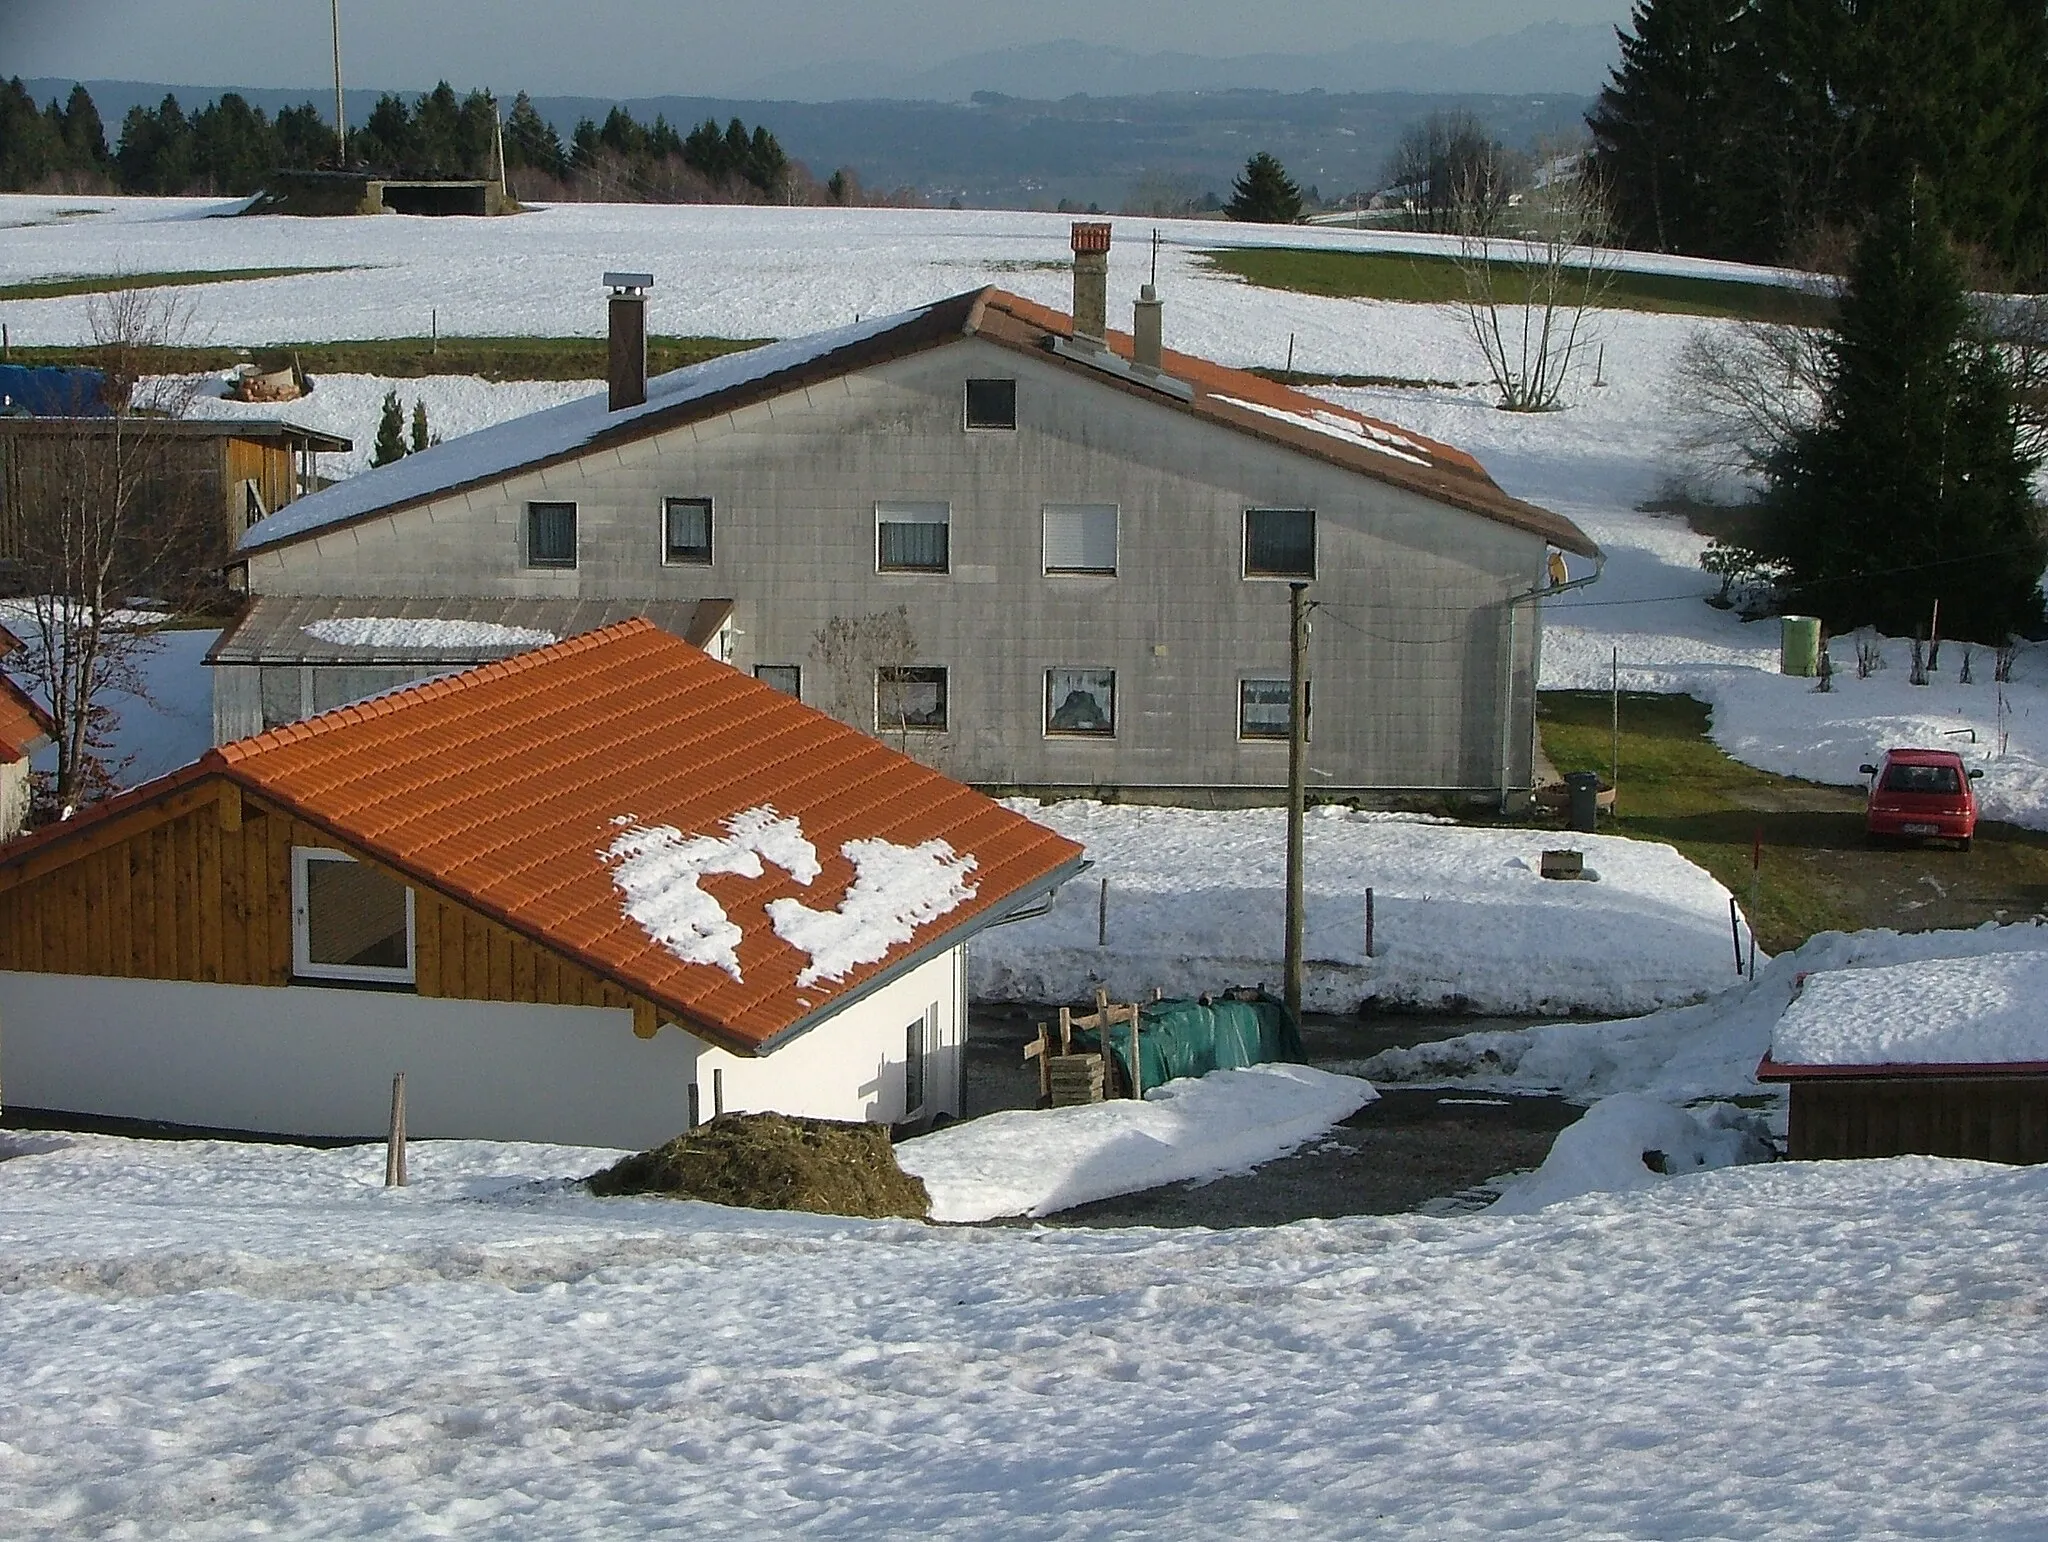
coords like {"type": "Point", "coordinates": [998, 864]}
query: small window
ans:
{"type": "Point", "coordinates": [349, 921]}
{"type": "Point", "coordinates": [551, 535]}
{"type": "Point", "coordinates": [913, 538]}
{"type": "Point", "coordinates": [1279, 543]}
{"type": "Point", "coordinates": [1080, 538]}
{"type": "Point", "coordinates": [991, 404]}
{"type": "Point", "coordinates": [911, 697]}
{"type": "Point", "coordinates": [1263, 708]}
{"type": "Point", "coordinates": [686, 532]}
{"type": "Point", "coordinates": [913, 1067]}
{"type": "Point", "coordinates": [1081, 701]}
{"type": "Point", "coordinates": [786, 678]}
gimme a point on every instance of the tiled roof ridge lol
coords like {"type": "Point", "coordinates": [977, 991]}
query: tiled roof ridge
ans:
{"type": "Point", "coordinates": [232, 755]}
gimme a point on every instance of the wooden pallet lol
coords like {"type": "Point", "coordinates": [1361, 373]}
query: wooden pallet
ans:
{"type": "Point", "coordinates": [1063, 1077]}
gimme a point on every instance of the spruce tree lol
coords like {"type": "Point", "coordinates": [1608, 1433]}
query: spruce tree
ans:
{"type": "Point", "coordinates": [390, 444]}
{"type": "Point", "coordinates": [1910, 487]}
{"type": "Point", "coordinates": [1264, 195]}
{"type": "Point", "coordinates": [420, 439]}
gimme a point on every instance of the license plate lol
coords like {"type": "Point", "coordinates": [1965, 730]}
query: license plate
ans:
{"type": "Point", "coordinates": [1921, 829]}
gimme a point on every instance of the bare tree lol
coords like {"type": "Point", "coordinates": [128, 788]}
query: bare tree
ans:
{"type": "Point", "coordinates": [1535, 271]}
{"type": "Point", "coordinates": [1443, 161]}
{"type": "Point", "coordinates": [854, 651]}
{"type": "Point", "coordinates": [1742, 392]}
{"type": "Point", "coordinates": [98, 510]}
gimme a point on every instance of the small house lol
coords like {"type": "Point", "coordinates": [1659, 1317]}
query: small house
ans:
{"type": "Point", "coordinates": [1947, 1057]}
{"type": "Point", "coordinates": [24, 729]}
{"type": "Point", "coordinates": [582, 894]}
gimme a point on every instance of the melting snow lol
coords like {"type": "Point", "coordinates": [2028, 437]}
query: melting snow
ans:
{"type": "Point", "coordinates": [895, 890]}
{"type": "Point", "coordinates": [657, 867]}
{"type": "Point", "coordinates": [1350, 430]}
{"type": "Point", "coordinates": [399, 632]}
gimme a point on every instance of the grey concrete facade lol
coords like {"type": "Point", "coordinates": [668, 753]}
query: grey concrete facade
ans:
{"type": "Point", "coordinates": [1422, 658]}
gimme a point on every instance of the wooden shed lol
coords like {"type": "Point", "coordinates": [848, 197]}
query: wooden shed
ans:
{"type": "Point", "coordinates": [1989, 1113]}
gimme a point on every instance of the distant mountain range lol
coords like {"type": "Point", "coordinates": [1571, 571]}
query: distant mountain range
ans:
{"type": "Point", "coordinates": [1546, 57]}
{"type": "Point", "coordinates": [1010, 151]}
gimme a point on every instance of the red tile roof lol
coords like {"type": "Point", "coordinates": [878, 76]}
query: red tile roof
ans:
{"type": "Point", "coordinates": [503, 787]}
{"type": "Point", "coordinates": [24, 726]}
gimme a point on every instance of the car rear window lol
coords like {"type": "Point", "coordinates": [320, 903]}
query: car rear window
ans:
{"type": "Point", "coordinates": [1925, 779]}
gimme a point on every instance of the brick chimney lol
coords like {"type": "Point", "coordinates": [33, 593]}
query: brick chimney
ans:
{"type": "Point", "coordinates": [1091, 281]}
{"type": "Point", "coordinates": [1146, 329]}
{"type": "Point", "coordinates": [628, 371]}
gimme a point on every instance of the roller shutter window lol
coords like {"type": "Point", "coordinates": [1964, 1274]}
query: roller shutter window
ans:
{"type": "Point", "coordinates": [913, 538]}
{"type": "Point", "coordinates": [1081, 538]}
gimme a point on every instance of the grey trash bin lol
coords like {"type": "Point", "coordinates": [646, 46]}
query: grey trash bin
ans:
{"type": "Point", "coordinates": [1584, 787]}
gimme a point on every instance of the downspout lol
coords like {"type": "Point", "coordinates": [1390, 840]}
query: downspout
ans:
{"type": "Point", "coordinates": [1507, 667]}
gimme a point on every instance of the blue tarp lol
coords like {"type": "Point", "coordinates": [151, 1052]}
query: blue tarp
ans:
{"type": "Point", "coordinates": [52, 391]}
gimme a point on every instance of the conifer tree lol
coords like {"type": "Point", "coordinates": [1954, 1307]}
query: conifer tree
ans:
{"type": "Point", "coordinates": [1911, 487]}
{"type": "Point", "coordinates": [420, 438]}
{"type": "Point", "coordinates": [390, 445]}
{"type": "Point", "coordinates": [1264, 195]}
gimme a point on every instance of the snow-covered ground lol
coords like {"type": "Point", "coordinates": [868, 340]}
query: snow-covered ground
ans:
{"type": "Point", "coordinates": [1947, 1011]}
{"type": "Point", "coordinates": [1038, 1161]}
{"type": "Point", "coordinates": [1461, 918]}
{"type": "Point", "coordinates": [204, 1340]}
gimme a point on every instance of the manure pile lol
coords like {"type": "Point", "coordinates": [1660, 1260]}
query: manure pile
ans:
{"type": "Point", "coordinates": [775, 1162]}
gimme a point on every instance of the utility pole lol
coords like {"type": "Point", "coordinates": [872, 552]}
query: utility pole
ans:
{"type": "Point", "coordinates": [340, 114]}
{"type": "Point", "coordinates": [1297, 776]}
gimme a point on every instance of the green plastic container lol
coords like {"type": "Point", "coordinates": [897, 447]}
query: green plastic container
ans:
{"type": "Point", "coordinates": [1799, 646]}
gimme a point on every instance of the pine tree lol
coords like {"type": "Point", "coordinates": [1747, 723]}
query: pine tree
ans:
{"type": "Point", "coordinates": [420, 439]}
{"type": "Point", "coordinates": [1668, 130]}
{"type": "Point", "coordinates": [1911, 488]}
{"type": "Point", "coordinates": [390, 444]}
{"type": "Point", "coordinates": [1264, 195]}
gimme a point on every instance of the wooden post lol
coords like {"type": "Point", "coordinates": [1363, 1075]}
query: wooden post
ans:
{"type": "Point", "coordinates": [694, 1106]}
{"type": "Point", "coordinates": [1102, 916]}
{"type": "Point", "coordinates": [1137, 1065]}
{"type": "Point", "coordinates": [1368, 920]}
{"type": "Point", "coordinates": [1066, 1030]}
{"type": "Point", "coordinates": [717, 1093]}
{"type": "Point", "coordinates": [1756, 878]}
{"type": "Point", "coordinates": [1045, 1061]}
{"type": "Point", "coordinates": [1297, 764]}
{"type": "Point", "coordinates": [394, 1141]}
{"type": "Point", "coordinates": [1735, 930]}
{"type": "Point", "coordinates": [1614, 702]}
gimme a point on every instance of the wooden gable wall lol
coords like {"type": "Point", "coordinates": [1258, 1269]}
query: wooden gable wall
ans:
{"type": "Point", "coordinates": [203, 891]}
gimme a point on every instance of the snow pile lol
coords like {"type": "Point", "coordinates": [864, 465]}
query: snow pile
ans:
{"type": "Point", "coordinates": [1037, 1162]}
{"type": "Point", "coordinates": [1461, 918]}
{"type": "Point", "coordinates": [1944, 1011]}
{"type": "Point", "coordinates": [1611, 1151]}
{"type": "Point", "coordinates": [895, 890]}
{"type": "Point", "coordinates": [1698, 1053]}
{"type": "Point", "coordinates": [656, 869]}
{"type": "Point", "coordinates": [401, 632]}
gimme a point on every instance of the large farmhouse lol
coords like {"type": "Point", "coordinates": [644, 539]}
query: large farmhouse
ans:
{"type": "Point", "coordinates": [1033, 552]}
{"type": "Point", "coordinates": [579, 895]}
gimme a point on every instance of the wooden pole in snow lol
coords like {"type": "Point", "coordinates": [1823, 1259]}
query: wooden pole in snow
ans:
{"type": "Point", "coordinates": [1368, 921]}
{"type": "Point", "coordinates": [394, 1142]}
{"type": "Point", "coordinates": [1102, 916]}
{"type": "Point", "coordinates": [1297, 763]}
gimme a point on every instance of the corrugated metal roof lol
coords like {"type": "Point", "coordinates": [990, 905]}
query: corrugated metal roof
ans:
{"type": "Point", "coordinates": [287, 629]}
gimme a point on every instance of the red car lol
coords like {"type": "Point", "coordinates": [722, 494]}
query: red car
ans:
{"type": "Point", "coordinates": [1922, 793]}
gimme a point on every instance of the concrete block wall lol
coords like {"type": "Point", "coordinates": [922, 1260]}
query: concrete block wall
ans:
{"type": "Point", "coordinates": [1410, 656]}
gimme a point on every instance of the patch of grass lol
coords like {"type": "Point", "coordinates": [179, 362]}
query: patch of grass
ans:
{"type": "Point", "coordinates": [1819, 873]}
{"type": "Point", "coordinates": [775, 1162]}
{"type": "Point", "coordinates": [108, 283]}
{"type": "Point", "coordinates": [1428, 278]}
{"type": "Point", "coordinates": [409, 358]}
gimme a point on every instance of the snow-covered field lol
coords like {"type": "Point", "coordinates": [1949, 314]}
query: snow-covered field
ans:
{"type": "Point", "coordinates": [211, 1341]}
{"type": "Point", "coordinates": [1461, 918]}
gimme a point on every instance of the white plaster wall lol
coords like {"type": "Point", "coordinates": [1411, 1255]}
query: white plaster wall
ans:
{"type": "Point", "coordinates": [307, 1061]}
{"type": "Point", "coordinates": [852, 1067]}
{"type": "Point", "coordinates": [14, 798]}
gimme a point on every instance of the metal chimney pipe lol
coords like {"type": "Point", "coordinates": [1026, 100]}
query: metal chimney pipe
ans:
{"type": "Point", "coordinates": [628, 361]}
{"type": "Point", "coordinates": [1146, 329]}
{"type": "Point", "coordinates": [1091, 281]}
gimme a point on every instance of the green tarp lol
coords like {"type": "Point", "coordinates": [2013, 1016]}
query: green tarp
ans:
{"type": "Point", "coordinates": [1190, 1038]}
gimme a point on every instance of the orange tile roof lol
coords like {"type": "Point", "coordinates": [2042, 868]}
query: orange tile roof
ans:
{"type": "Point", "coordinates": [502, 788]}
{"type": "Point", "coordinates": [24, 726]}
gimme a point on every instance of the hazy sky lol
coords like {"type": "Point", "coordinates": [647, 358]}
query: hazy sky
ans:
{"type": "Point", "coordinates": [646, 47]}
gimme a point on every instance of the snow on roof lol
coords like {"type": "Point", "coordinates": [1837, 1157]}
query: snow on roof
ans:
{"type": "Point", "coordinates": [554, 431]}
{"type": "Point", "coordinates": [414, 632]}
{"type": "Point", "coordinates": [1350, 428]}
{"type": "Point", "coordinates": [1944, 1011]}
